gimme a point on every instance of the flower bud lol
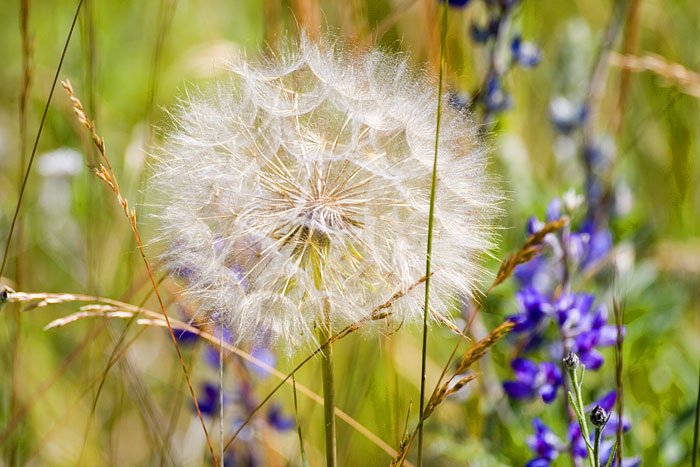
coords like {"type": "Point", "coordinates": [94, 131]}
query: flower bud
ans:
{"type": "Point", "coordinates": [598, 416]}
{"type": "Point", "coordinates": [571, 361]}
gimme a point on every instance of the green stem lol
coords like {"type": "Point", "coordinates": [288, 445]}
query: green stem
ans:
{"type": "Point", "coordinates": [221, 389]}
{"type": "Point", "coordinates": [696, 429]}
{"type": "Point", "coordinates": [581, 416]}
{"type": "Point", "coordinates": [596, 447]}
{"type": "Point", "coordinates": [328, 386]}
{"type": "Point", "coordinates": [428, 260]}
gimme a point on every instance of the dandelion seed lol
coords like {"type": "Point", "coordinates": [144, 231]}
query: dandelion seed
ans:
{"type": "Point", "coordinates": [302, 182]}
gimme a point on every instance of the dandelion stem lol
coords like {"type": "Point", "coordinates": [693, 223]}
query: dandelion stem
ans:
{"type": "Point", "coordinates": [430, 236]}
{"type": "Point", "coordinates": [328, 387]}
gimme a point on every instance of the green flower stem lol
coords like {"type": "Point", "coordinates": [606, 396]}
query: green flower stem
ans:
{"type": "Point", "coordinates": [577, 404]}
{"type": "Point", "coordinates": [433, 183]}
{"type": "Point", "coordinates": [324, 334]}
{"type": "Point", "coordinates": [596, 446]}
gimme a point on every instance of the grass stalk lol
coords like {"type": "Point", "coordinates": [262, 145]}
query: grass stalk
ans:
{"type": "Point", "coordinates": [36, 141]}
{"type": "Point", "coordinates": [428, 260]}
{"type": "Point", "coordinates": [107, 175]}
{"type": "Point", "coordinates": [696, 429]}
{"type": "Point", "coordinates": [221, 391]}
{"type": "Point", "coordinates": [328, 385]}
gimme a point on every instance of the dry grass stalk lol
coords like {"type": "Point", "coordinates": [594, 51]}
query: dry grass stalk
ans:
{"type": "Point", "coordinates": [107, 175]}
{"type": "Point", "coordinates": [451, 386]}
{"type": "Point", "coordinates": [108, 308]}
{"type": "Point", "coordinates": [675, 73]}
{"type": "Point", "coordinates": [526, 252]}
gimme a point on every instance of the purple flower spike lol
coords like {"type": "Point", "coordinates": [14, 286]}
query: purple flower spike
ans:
{"type": "Point", "coordinates": [525, 379]}
{"type": "Point", "coordinates": [530, 378]}
{"type": "Point", "coordinates": [278, 420]}
{"type": "Point", "coordinates": [553, 210]}
{"type": "Point", "coordinates": [552, 381]}
{"type": "Point", "coordinates": [539, 462]}
{"type": "Point", "coordinates": [533, 307]}
{"type": "Point", "coordinates": [598, 245]}
{"type": "Point", "coordinates": [526, 54]}
{"type": "Point", "coordinates": [544, 443]}
{"type": "Point", "coordinates": [209, 401]}
{"type": "Point", "coordinates": [456, 3]}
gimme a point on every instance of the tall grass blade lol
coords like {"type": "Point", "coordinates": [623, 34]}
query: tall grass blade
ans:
{"type": "Point", "coordinates": [428, 264]}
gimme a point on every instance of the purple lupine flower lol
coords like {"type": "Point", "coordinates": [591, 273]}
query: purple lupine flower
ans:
{"type": "Point", "coordinates": [211, 353]}
{"type": "Point", "coordinates": [266, 356]}
{"type": "Point", "coordinates": [544, 443]}
{"type": "Point", "coordinates": [593, 331]}
{"type": "Point", "coordinates": [553, 211]}
{"type": "Point", "coordinates": [482, 34]}
{"type": "Point", "coordinates": [496, 99]}
{"type": "Point", "coordinates": [534, 273]}
{"type": "Point", "coordinates": [534, 225]}
{"type": "Point", "coordinates": [209, 400]}
{"type": "Point", "coordinates": [598, 245]}
{"type": "Point", "coordinates": [456, 3]}
{"type": "Point", "coordinates": [531, 379]}
{"type": "Point", "coordinates": [607, 402]}
{"type": "Point", "coordinates": [185, 337]}
{"type": "Point", "coordinates": [565, 115]}
{"type": "Point", "coordinates": [278, 420]}
{"type": "Point", "coordinates": [526, 54]}
{"type": "Point", "coordinates": [533, 308]}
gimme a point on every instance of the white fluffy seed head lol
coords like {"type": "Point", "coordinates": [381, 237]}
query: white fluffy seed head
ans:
{"type": "Point", "coordinates": [305, 179]}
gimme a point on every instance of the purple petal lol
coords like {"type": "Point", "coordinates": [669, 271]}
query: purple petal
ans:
{"type": "Point", "coordinates": [607, 401]}
{"type": "Point", "coordinates": [592, 359]}
{"type": "Point", "coordinates": [548, 393]}
{"type": "Point", "coordinates": [539, 462]}
{"type": "Point", "coordinates": [266, 356]}
{"type": "Point", "coordinates": [525, 370]}
{"type": "Point", "coordinates": [632, 462]}
{"type": "Point", "coordinates": [518, 390]}
{"type": "Point", "coordinates": [551, 372]}
{"type": "Point", "coordinates": [534, 225]}
{"type": "Point", "coordinates": [586, 341]}
{"type": "Point", "coordinates": [608, 335]}
{"type": "Point", "coordinates": [554, 210]}
{"type": "Point", "coordinates": [278, 420]}
{"type": "Point", "coordinates": [583, 302]}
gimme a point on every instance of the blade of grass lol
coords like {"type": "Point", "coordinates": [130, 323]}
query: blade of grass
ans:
{"type": "Point", "coordinates": [36, 141]}
{"type": "Point", "coordinates": [304, 460]}
{"type": "Point", "coordinates": [696, 428]}
{"type": "Point", "coordinates": [428, 258]}
{"type": "Point", "coordinates": [16, 315]}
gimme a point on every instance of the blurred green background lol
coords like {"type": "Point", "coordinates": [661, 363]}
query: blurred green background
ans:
{"type": "Point", "coordinates": [129, 61]}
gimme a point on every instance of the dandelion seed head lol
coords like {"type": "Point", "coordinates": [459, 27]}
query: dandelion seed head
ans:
{"type": "Point", "coordinates": [305, 179]}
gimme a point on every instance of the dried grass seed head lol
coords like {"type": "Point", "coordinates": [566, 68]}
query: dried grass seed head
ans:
{"type": "Point", "coordinates": [305, 179]}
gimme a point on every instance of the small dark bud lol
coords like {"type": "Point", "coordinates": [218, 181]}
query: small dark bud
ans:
{"type": "Point", "coordinates": [4, 295]}
{"type": "Point", "coordinates": [571, 361]}
{"type": "Point", "coordinates": [598, 416]}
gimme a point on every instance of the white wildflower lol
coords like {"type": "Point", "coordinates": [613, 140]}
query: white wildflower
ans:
{"type": "Point", "coordinates": [305, 179]}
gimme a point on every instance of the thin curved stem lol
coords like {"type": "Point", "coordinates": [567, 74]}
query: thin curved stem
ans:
{"type": "Point", "coordinates": [428, 260]}
{"type": "Point", "coordinates": [328, 386]}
